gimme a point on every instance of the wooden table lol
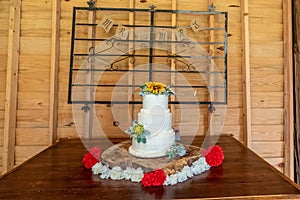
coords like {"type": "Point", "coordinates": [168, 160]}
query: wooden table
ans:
{"type": "Point", "coordinates": [57, 173]}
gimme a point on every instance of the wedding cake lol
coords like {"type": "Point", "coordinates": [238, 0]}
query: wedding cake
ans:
{"type": "Point", "coordinates": [152, 134]}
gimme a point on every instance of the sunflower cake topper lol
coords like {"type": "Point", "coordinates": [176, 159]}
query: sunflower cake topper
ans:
{"type": "Point", "coordinates": [156, 88]}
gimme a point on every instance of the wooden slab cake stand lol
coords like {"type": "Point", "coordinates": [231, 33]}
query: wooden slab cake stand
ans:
{"type": "Point", "coordinates": [118, 155]}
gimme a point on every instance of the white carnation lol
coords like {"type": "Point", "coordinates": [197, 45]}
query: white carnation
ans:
{"type": "Point", "coordinates": [127, 173]}
{"type": "Point", "coordinates": [135, 175]}
{"type": "Point", "coordinates": [200, 166]}
{"type": "Point", "coordinates": [173, 179]}
{"type": "Point", "coordinates": [105, 172]}
{"type": "Point", "coordinates": [97, 168]}
{"type": "Point", "coordinates": [181, 177]}
{"type": "Point", "coordinates": [187, 170]}
{"type": "Point", "coordinates": [167, 181]}
{"type": "Point", "coordinates": [116, 173]}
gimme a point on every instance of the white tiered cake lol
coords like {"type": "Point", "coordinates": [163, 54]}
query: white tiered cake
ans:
{"type": "Point", "coordinates": [156, 118]}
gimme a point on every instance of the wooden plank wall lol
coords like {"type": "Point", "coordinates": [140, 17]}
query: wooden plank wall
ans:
{"type": "Point", "coordinates": [267, 80]}
{"type": "Point", "coordinates": [266, 70]}
{"type": "Point", "coordinates": [34, 78]}
{"type": "Point", "coordinates": [265, 61]}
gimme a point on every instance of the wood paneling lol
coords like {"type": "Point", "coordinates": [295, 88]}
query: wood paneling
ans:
{"type": "Point", "coordinates": [29, 136]}
{"type": "Point", "coordinates": [3, 60]}
{"type": "Point", "coordinates": [34, 64]}
{"type": "Point", "coordinates": [267, 49]}
{"type": "Point", "coordinates": [32, 9]}
{"type": "Point", "coordinates": [267, 133]}
{"type": "Point", "coordinates": [1, 140]}
{"type": "Point", "coordinates": [35, 46]}
{"type": "Point", "coordinates": [267, 83]}
{"type": "Point", "coordinates": [269, 149]}
{"type": "Point", "coordinates": [266, 65]}
{"type": "Point", "coordinates": [2, 100]}
{"type": "Point", "coordinates": [271, 116]}
{"type": "Point", "coordinates": [1, 160]}
{"type": "Point", "coordinates": [278, 163]}
{"type": "Point", "coordinates": [3, 42]}
{"type": "Point", "coordinates": [272, 100]}
{"type": "Point", "coordinates": [262, 16]}
{"type": "Point", "coordinates": [23, 153]}
{"type": "Point", "coordinates": [1, 119]}
{"type": "Point", "coordinates": [40, 27]}
{"type": "Point", "coordinates": [266, 32]}
{"type": "Point", "coordinates": [32, 118]}
{"type": "Point", "coordinates": [31, 83]}
{"type": "Point", "coordinates": [266, 4]}
{"type": "Point", "coordinates": [33, 100]}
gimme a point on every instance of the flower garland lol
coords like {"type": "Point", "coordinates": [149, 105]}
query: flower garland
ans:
{"type": "Point", "coordinates": [212, 157]}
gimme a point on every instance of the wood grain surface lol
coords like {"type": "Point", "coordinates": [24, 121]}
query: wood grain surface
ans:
{"type": "Point", "coordinates": [57, 173]}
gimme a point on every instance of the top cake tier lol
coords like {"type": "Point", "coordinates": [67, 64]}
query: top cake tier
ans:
{"type": "Point", "coordinates": [151, 100]}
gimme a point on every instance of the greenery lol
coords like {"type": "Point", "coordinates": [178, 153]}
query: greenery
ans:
{"type": "Point", "coordinates": [176, 150]}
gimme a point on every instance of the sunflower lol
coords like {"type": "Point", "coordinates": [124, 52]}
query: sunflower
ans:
{"type": "Point", "coordinates": [155, 87]}
{"type": "Point", "coordinates": [138, 129]}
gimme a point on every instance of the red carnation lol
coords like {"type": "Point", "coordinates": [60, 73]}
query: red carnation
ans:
{"type": "Point", "coordinates": [91, 158]}
{"type": "Point", "coordinates": [214, 155]}
{"type": "Point", "coordinates": [96, 152]}
{"type": "Point", "coordinates": [155, 178]}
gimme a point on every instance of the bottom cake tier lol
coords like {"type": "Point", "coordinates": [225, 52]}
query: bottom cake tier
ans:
{"type": "Point", "coordinates": [156, 146]}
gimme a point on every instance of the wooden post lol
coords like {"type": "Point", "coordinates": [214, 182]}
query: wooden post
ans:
{"type": "Point", "coordinates": [173, 65]}
{"type": "Point", "coordinates": [246, 73]}
{"type": "Point", "coordinates": [288, 90]}
{"type": "Point", "coordinates": [53, 101]}
{"type": "Point", "coordinates": [10, 115]}
{"type": "Point", "coordinates": [88, 126]}
{"type": "Point", "coordinates": [131, 21]}
{"type": "Point", "coordinates": [211, 68]}
{"type": "Point", "coordinates": [296, 17]}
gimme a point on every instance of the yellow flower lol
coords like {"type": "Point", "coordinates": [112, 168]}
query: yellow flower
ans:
{"type": "Point", "coordinates": [155, 87]}
{"type": "Point", "coordinates": [139, 129]}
